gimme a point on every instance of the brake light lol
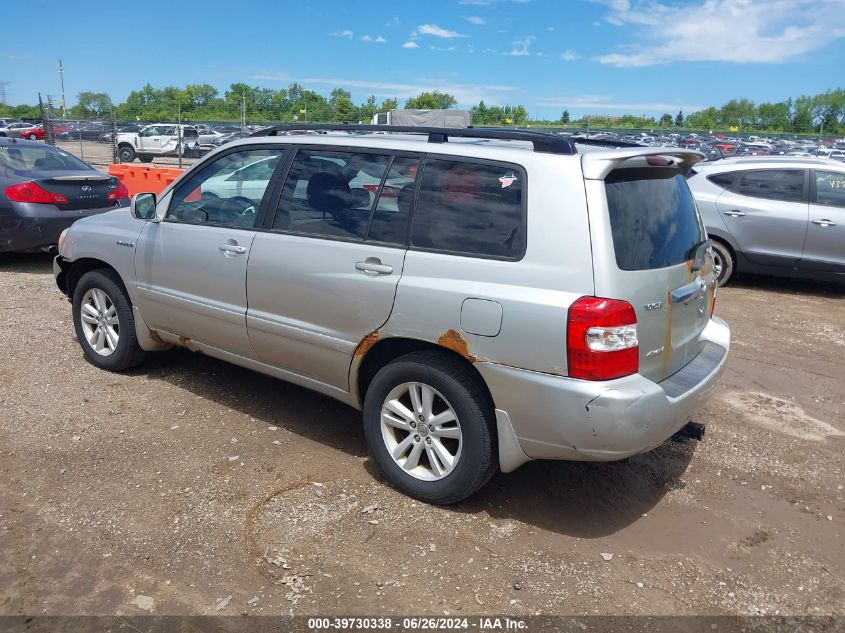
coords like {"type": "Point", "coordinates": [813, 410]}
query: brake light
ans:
{"type": "Point", "coordinates": [34, 193]}
{"type": "Point", "coordinates": [120, 193]}
{"type": "Point", "coordinates": [601, 339]}
{"type": "Point", "coordinates": [713, 298]}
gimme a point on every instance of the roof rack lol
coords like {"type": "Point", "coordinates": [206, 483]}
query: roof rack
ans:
{"type": "Point", "coordinates": [603, 142]}
{"type": "Point", "coordinates": [541, 141]}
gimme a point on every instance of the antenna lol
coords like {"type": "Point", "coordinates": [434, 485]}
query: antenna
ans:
{"type": "Point", "coordinates": [3, 85]}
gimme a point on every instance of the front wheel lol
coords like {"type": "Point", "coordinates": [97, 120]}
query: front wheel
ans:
{"type": "Point", "coordinates": [33, 137]}
{"type": "Point", "coordinates": [104, 324]}
{"type": "Point", "coordinates": [145, 158]}
{"type": "Point", "coordinates": [126, 154]}
{"type": "Point", "coordinates": [429, 424]}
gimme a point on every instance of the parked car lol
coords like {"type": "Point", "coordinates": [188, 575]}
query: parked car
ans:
{"type": "Point", "coordinates": [36, 132]}
{"type": "Point", "coordinates": [779, 215]}
{"type": "Point", "coordinates": [85, 132]}
{"type": "Point", "coordinates": [13, 130]}
{"type": "Point", "coordinates": [475, 324]}
{"type": "Point", "coordinates": [159, 139]}
{"type": "Point", "coordinates": [44, 190]}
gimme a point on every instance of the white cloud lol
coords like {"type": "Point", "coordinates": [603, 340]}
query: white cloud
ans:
{"type": "Point", "coordinates": [602, 104]}
{"type": "Point", "coordinates": [550, 29]}
{"type": "Point", "coordinates": [569, 56]}
{"type": "Point", "coordinates": [410, 44]}
{"type": "Point", "coordinates": [436, 31]}
{"type": "Point", "coordinates": [466, 94]}
{"type": "Point", "coordinates": [394, 21]}
{"type": "Point", "coordinates": [475, 19]}
{"type": "Point", "coordinates": [374, 40]}
{"type": "Point", "coordinates": [344, 33]}
{"type": "Point", "coordinates": [520, 47]}
{"type": "Point", "coordinates": [735, 31]}
{"type": "Point", "coordinates": [442, 49]}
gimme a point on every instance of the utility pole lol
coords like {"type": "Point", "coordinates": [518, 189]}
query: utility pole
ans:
{"type": "Point", "coordinates": [62, 79]}
{"type": "Point", "coordinates": [3, 85]}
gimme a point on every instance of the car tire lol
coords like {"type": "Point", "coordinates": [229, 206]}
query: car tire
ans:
{"type": "Point", "coordinates": [33, 137]}
{"type": "Point", "coordinates": [723, 262]}
{"type": "Point", "coordinates": [104, 323]}
{"type": "Point", "coordinates": [126, 154]}
{"type": "Point", "coordinates": [145, 158]}
{"type": "Point", "coordinates": [453, 390]}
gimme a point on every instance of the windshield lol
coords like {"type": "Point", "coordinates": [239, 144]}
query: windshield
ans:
{"type": "Point", "coordinates": [43, 158]}
{"type": "Point", "coordinates": [653, 218]}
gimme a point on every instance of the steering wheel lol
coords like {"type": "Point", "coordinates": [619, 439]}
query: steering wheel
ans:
{"type": "Point", "coordinates": [240, 206]}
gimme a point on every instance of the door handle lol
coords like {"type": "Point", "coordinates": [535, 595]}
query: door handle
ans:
{"type": "Point", "coordinates": [734, 213]}
{"type": "Point", "coordinates": [232, 248]}
{"type": "Point", "coordinates": [373, 266]}
{"type": "Point", "coordinates": [824, 223]}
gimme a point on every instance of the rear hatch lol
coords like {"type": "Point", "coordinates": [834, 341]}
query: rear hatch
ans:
{"type": "Point", "coordinates": [650, 249]}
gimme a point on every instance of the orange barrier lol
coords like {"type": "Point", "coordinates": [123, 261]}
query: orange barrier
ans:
{"type": "Point", "coordinates": [143, 179]}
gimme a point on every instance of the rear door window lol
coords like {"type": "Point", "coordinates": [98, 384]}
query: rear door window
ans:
{"type": "Point", "coordinates": [653, 218]}
{"type": "Point", "coordinates": [725, 181]}
{"type": "Point", "coordinates": [830, 188]}
{"type": "Point", "coordinates": [786, 185]}
{"type": "Point", "coordinates": [470, 208]}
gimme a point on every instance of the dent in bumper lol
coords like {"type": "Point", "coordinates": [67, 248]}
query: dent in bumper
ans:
{"type": "Point", "coordinates": [560, 418]}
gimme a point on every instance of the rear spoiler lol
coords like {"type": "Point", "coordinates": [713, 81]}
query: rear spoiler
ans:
{"type": "Point", "coordinates": [598, 164]}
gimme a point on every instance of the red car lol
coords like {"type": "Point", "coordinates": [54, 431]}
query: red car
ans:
{"type": "Point", "coordinates": [36, 132]}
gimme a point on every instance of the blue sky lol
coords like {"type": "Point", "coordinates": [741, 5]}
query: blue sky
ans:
{"type": "Point", "coordinates": [587, 56]}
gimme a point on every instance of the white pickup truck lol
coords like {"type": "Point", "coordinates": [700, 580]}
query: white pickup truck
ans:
{"type": "Point", "coordinates": [159, 139]}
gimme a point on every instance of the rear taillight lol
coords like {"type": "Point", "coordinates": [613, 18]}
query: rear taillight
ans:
{"type": "Point", "coordinates": [713, 298]}
{"type": "Point", "coordinates": [601, 339]}
{"type": "Point", "coordinates": [120, 193]}
{"type": "Point", "coordinates": [33, 193]}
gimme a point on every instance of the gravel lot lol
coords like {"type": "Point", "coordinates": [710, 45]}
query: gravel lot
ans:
{"type": "Point", "coordinates": [100, 155]}
{"type": "Point", "coordinates": [172, 487]}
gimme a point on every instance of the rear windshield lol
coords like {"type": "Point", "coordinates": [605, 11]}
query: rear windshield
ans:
{"type": "Point", "coordinates": [41, 157]}
{"type": "Point", "coordinates": [653, 218]}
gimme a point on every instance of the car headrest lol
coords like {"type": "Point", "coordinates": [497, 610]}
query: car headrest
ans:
{"type": "Point", "coordinates": [328, 192]}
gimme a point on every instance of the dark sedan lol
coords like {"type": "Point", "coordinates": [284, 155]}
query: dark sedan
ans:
{"type": "Point", "coordinates": [43, 190]}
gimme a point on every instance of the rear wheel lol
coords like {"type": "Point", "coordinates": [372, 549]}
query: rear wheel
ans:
{"type": "Point", "coordinates": [33, 137]}
{"type": "Point", "coordinates": [723, 262]}
{"type": "Point", "coordinates": [145, 158]}
{"type": "Point", "coordinates": [126, 154]}
{"type": "Point", "coordinates": [103, 320]}
{"type": "Point", "coordinates": [429, 425]}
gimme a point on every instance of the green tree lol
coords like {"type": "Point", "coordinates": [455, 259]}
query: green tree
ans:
{"type": "Point", "coordinates": [91, 105]}
{"type": "Point", "coordinates": [666, 120]}
{"type": "Point", "coordinates": [679, 118]}
{"type": "Point", "coordinates": [564, 118]}
{"type": "Point", "coordinates": [434, 100]}
{"type": "Point", "coordinates": [341, 105]}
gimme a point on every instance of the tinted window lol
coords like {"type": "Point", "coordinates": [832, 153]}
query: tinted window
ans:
{"type": "Point", "coordinates": [725, 181]}
{"type": "Point", "coordinates": [653, 218]}
{"type": "Point", "coordinates": [227, 192]}
{"type": "Point", "coordinates": [331, 193]}
{"type": "Point", "coordinates": [390, 220]}
{"type": "Point", "coordinates": [775, 184]}
{"type": "Point", "coordinates": [830, 188]}
{"type": "Point", "coordinates": [470, 208]}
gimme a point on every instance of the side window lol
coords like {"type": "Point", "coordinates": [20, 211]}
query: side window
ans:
{"type": "Point", "coordinates": [390, 220]}
{"type": "Point", "coordinates": [726, 180]}
{"type": "Point", "coordinates": [330, 193]}
{"type": "Point", "coordinates": [470, 208]}
{"type": "Point", "coordinates": [150, 131]}
{"type": "Point", "coordinates": [775, 184]}
{"type": "Point", "coordinates": [218, 194]}
{"type": "Point", "coordinates": [830, 188]}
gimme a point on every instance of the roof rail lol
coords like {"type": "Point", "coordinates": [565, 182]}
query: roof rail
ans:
{"type": "Point", "coordinates": [603, 142]}
{"type": "Point", "coordinates": [542, 141]}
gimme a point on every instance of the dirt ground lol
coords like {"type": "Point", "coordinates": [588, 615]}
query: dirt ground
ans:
{"type": "Point", "coordinates": [173, 487]}
{"type": "Point", "coordinates": [100, 155]}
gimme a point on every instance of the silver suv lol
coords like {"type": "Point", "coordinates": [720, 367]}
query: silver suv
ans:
{"type": "Point", "coordinates": [774, 215]}
{"type": "Point", "coordinates": [485, 297]}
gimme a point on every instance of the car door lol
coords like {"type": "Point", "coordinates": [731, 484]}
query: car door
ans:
{"type": "Point", "coordinates": [149, 139]}
{"type": "Point", "coordinates": [191, 266]}
{"type": "Point", "coordinates": [324, 276]}
{"type": "Point", "coordinates": [766, 212]}
{"type": "Point", "coordinates": [824, 249]}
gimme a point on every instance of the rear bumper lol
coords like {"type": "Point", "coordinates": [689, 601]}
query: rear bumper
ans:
{"type": "Point", "coordinates": [556, 417]}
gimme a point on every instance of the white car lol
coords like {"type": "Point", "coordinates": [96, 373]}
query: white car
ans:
{"type": "Point", "coordinates": [159, 139]}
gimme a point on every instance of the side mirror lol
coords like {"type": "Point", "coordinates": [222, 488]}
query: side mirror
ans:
{"type": "Point", "coordinates": [143, 206]}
